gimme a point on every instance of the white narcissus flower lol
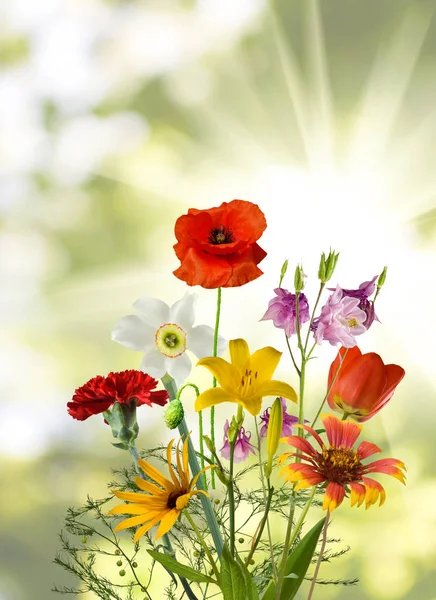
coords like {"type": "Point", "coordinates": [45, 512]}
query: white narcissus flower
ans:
{"type": "Point", "coordinates": [164, 334]}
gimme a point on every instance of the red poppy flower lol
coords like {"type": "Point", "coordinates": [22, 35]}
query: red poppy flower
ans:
{"type": "Point", "coordinates": [99, 393]}
{"type": "Point", "coordinates": [364, 384]}
{"type": "Point", "coordinates": [339, 465]}
{"type": "Point", "coordinates": [217, 246]}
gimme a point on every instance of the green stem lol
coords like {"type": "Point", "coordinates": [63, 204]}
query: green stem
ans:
{"type": "Point", "coordinates": [321, 552]}
{"type": "Point", "coordinates": [292, 355]}
{"type": "Point", "coordinates": [231, 494]}
{"type": "Point", "coordinates": [200, 427]}
{"type": "Point", "coordinates": [261, 528]}
{"type": "Point", "coordinates": [209, 513]}
{"type": "Point", "coordinates": [202, 542]}
{"type": "Point", "coordinates": [286, 547]}
{"type": "Point", "coordinates": [321, 288]}
{"type": "Point", "coordinates": [166, 538]}
{"type": "Point", "coordinates": [329, 389]}
{"type": "Point", "coordinates": [300, 521]}
{"type": "Point", "coordinates": [262, 480]}
{"type": "Point", "coordinates": [215, 352]}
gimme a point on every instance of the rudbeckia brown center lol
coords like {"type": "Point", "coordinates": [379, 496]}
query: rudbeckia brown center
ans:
{"type": "Point", "coordinates": [172, 498]}
{"type": "Point", "coordinates": [221, 235]}
{"type": "Point", "coordinates": [340, 465]}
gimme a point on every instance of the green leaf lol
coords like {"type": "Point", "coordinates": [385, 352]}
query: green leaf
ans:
{"type": "Point", "coordinates": [297, 563]}
{"type": "Point", "coordinates": [232, 580]}
{"type": "Point", "coordinates": [175, 567]}
{"type": "Point", "coordinates": [252, 593]}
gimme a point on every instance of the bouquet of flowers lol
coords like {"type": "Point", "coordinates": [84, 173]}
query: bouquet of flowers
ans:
{"type": "Point", "coordinates": [187, 510]}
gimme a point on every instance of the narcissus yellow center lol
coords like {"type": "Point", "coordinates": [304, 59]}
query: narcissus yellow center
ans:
{"type": "Point", "coordinates": [171, 340]}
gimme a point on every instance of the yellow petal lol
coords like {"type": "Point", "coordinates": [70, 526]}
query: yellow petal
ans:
{"type": "Point", "coordinates": [131, 496]}
{"type": "Point", "coordinates": [132, 522]}
{"type": "Point", "coordinates": [143, 530]}
{"type": "Point", "coordinates": [239, 354]}
{"type": "Point", "coordinates": [227, 375]}
{"type": "Point", "coordinates": [277, 388]}
{"type": "Point", "coordinates": [146, 486]}
{"type": "Point", "coordinates": [212, 397]}
{"type": "Point", "coordinates": [265, 362]}
{"type": "Point", "coordinates": [169, 461]}
{"type": "Point", "coordinates": [154, 474]}
{"type": "Point", "coordinates": [167, 522]}
{"type": "Point", "coordinates": [253, 405]}
{"type": "Point", "coordinates": [129, 509]}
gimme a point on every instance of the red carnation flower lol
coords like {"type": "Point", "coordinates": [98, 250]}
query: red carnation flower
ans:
{"type": "Point", "coordinates": [217, 246]}
{"type": "Point", "coordinates": [99, 393]}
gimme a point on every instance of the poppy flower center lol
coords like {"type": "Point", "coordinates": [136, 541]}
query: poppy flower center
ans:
{"type": "Point", "coordinates": [221, 235]}
{"type": "Point", "coordinates": [340, 465]}
{"type": "Point", "coordinates": [172, 498]}
{"type": "Point", "coordinates": [171, 340]}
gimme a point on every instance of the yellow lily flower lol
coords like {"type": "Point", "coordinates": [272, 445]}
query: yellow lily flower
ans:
{"type": "Point", "coordinates": [246, 380]}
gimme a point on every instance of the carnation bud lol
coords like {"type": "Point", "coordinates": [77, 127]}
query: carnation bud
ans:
{"type": "Point", "coordinates": [381, 280]}
{"type": "Point", "coordinates": [283, 272]}
{"type": "Point", "coordinates": [174, 414]}
{"type": "Point", "coordinates": [299, 279]}
{"type": "Point", "coordinates": [274, 434]}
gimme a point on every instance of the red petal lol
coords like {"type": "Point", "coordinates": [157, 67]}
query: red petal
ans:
{"type": "Point", "coordinates": [244, 267]}
{"type": "Point", "coordinates": [199, 268]}
{"type": "Point", "coordinates": [300, 443]}
{"type": "Point", "coordinates": [361, 383]}
{"type": "Point", "coordinates": [366, 449]}
{"type": "Point", "coordinates": [334, 495]}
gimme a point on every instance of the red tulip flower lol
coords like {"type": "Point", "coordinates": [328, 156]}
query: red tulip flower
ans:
{"type": "Point", "coordinates": [217, 246]}
{"type": "Point", "coordinates": [363, 385]}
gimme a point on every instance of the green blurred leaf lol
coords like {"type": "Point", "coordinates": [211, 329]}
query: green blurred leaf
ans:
{"type": "Point", "coordinates": [172, 565]}
{"type": "Point", "coordinates": [232, 580]}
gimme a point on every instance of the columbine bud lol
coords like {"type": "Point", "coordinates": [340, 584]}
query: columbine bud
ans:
{"type": "Point", "coordinates": [232, 433]}
{"type": "Point", "coordinates": [274, 434]}
{"type": "Point", "coordinates": [283, 272]}
{"type": "Point", "coordinates": [327, 266]}
{"type": "Point", "coordinates": [174, 414]}
{"type": "Point", "coordinates": [299, 279]}
{"type": "Point", "coordinates": [381, 280]}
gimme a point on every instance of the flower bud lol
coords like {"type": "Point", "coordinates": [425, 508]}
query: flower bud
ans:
{"type": "Point", "coordinates": [274, 434]}
{"type": "Point", "coordinates": [381, 280]}
{"type": "Point", "coordinates": [209, 445]}
{"type": "Point", "coordinates": [327, 266]}
{"type": "Point", "coordinates": [174, 414]}
{"type": "Point", "coordinates": [299, 279]}
{"type": "Point", "coordinates": [283, 272]}
{"type": "Point", "coordinates": [225, 479]}
{"type": "Point", "coordinates": [122, 421]}
{"type": "Point", "coordinates": [232, 433]}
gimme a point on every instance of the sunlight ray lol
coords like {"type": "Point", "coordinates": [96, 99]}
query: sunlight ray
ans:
{"type": "Point", "coordinates": [387, 86]}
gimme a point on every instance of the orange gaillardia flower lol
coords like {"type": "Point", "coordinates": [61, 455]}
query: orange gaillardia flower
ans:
{"type": "Point", "coordinates": [217, 247]}
{"type": "Point", "coordinates": [164, 499]}
{"type": "Point", "coordinates": [363, 385]}
{"type": "Point", "coordinates": [339, 465]}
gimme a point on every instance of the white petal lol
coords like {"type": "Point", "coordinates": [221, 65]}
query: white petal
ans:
{"type": "Point", "coordinates": [200, 341]}
{"type": "Point", "coordinates": [153, 363]}
{"type": "Point", "coordinates": [153, 311]}
{"type": "Point", "coordinates": [179, 368]}
{"type": "Point", "coordinates": [132, 332]}
{"type": "Point", "coordinates": [182, 312]}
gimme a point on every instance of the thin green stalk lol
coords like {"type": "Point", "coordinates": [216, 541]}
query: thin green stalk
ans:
{"type": "Point", "coordinates": [262, 480]}
{"type": "Point", "coordinates": [321, 552]}
{"type": "Point", "coordinates": [261, 527]}
{"type": "Point", "coordinates": [329, 389]}
{"type": "Point", "coordinates": [209, 513]}
{"type": "Point", "coordinates": [200, 427]}
{"type": "Point", "coordinates": [321, 288]}
{"type": "Point", "coordinates": [215, 352]}
{"type": "Point", "coordinates": [202, 542]}
{"type": "Point", "coordinates": [303, 515]}
{"type": "Point", "coordinates": [292, 355]}
{"type": "Point", "coordinates": [282, 568]}
{"type": "Point", "coordinates": [231, 494]}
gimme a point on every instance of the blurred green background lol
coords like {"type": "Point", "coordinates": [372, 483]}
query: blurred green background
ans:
{"type": "Point", "coordinates": [116, 116]}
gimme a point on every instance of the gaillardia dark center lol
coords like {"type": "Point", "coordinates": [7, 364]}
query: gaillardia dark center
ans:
{"type": "Point", "coordinates": [221, 235]}
{"type": "Point", "coordinates": [340, 465]}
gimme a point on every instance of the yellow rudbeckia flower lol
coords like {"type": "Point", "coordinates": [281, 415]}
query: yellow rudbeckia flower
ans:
{"type": "Point", "coordinates": [162, 502]}
{"type": "Point", "coordinates": [246, 380]}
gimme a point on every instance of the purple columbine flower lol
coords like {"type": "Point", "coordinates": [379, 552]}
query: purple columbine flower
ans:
{"type": "Point", "coordinates": [282, 310]}
{"type": "Point", "coordinates": [288, 421]}
{"type": "Point", "coordinates": [340, 320]}
{"type": "Point", "coordinates": [242, 446]}
{"type": "Point", "coordinates": [363, 292]}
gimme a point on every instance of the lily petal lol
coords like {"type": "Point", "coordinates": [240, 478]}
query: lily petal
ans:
{"type": "Point", "coordinates": [277, 388]}
{"type": "Point", "coordinates": [239, 354]}
{"type": "Point", "coordinates": [225, 373]}
{"type": "Point", "coordinates": [265, 362]}
{"type": "Point", "coordinates": [132, 332]}
{"type": "Point", "coordinates": [212, 397]}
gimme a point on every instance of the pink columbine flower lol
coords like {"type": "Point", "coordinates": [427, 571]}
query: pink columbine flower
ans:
{"type": "Point", "coordinates": [282, 310]}
{"type": "Point", "coordinates": [363, 292]}
{"type": "Point", "coordinates": [242, 446]}
{"type": "Point", "coordinates": [288, 421]}
{"type": "Point", "coordinates": [340, 321]}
